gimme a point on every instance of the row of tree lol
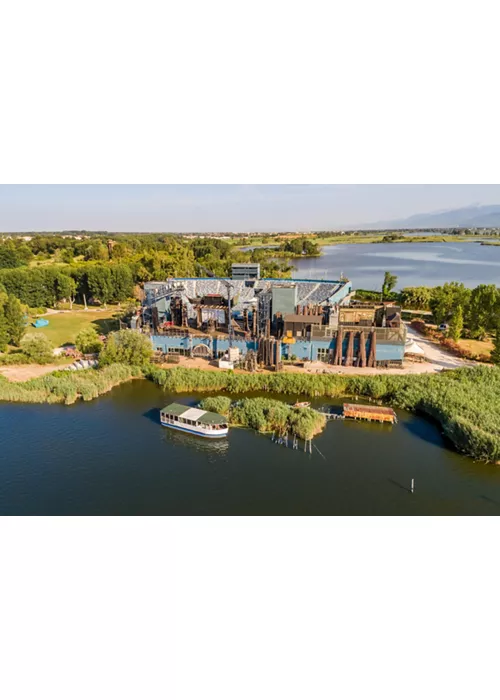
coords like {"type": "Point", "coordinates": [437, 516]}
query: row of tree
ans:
{"type": "Point", "coordinates": [107, 269]}
{"type": "Point", "coordinates": [478, 307]}
{"type": "Point", "coordinates": [300, 246]}
{"type": "Point", "coordinates": [46, 286]}
{"type": "Point", "coordinates": [12, 320]}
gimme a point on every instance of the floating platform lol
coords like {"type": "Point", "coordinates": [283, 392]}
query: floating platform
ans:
{"type": "Point", "coordinates": [382, 414]}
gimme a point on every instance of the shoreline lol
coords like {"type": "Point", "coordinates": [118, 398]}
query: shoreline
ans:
{"type": "Point", "coordinates": [472, 427]}
{"type": "Point", "coordinates": [379, 238]}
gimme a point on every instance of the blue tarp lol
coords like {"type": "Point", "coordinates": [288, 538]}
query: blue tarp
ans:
{"type": "Point", "coordinates": [41, 322]}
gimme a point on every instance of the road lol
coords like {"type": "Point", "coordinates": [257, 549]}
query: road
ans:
{"type": "Point", "coordinates": [436, 354]}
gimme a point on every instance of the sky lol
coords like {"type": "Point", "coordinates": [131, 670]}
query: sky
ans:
{"type": "Point", "coordinates": [184, 208]}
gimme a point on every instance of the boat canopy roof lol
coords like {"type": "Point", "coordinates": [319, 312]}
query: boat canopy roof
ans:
{"type": "Point", "coordinates": [195, 414]}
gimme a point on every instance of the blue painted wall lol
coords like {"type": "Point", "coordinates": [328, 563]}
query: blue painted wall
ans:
{"type": "Point", "coordinates": [302, 349]}
{"type": "Point", "coordinates": [389, 351]}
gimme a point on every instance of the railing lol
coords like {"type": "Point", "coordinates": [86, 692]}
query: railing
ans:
{"type": "Point", "coordinates": [389, 335]}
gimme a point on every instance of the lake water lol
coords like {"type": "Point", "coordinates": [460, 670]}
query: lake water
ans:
{"type": "Point", "coordinates": [415, 264]}
{"type": "Point", "coordinates": [112, 457]}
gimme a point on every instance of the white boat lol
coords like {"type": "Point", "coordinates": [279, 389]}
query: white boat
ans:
{"type": "Point", "coordinates": [194, 421]}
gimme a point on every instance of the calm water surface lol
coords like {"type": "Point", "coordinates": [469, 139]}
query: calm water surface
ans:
{"type": "Point", "coordinates": [111, 457]}
{"type": "Point", "coordinates": [414, 263]}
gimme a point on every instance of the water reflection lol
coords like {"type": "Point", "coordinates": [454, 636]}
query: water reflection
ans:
{"type": "Point", "coordinates": [112, 456]}
{"type": "Point", "coordinates": [177, 438]}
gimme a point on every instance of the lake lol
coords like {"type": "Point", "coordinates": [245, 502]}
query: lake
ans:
{"type": "Point", "coordinates": [112, 457]}
{"type": "Point", "coordinates": [415, 264]}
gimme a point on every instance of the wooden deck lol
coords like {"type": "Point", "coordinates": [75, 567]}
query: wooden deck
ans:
{"type": "Point", "coordinates": [382, 414]}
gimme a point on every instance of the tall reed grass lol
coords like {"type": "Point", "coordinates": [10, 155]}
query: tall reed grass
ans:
{"type": "Point", "coordinates": [466, 401]}
{"type": "Point", "coordinates": [268, 415]}
{"type": "Point", "coordinates": [66, 387]}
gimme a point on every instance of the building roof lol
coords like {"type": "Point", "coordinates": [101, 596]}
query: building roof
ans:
{"type": "Point", "coordinates": [363, 408]}
{"type": "Point", "coordinates": [303, 318]}
{"type": "Point", "coordinates": [195, 414]}
{"type": "Point", "coordinates": [413, 348]}
{"type": "Point", "coordinates": [308, 291]}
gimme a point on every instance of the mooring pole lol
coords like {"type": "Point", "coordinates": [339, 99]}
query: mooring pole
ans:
{"type": "Point", "coordinates": [412, 485]}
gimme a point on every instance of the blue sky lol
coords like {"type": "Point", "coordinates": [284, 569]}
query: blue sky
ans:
{"type": "Point", "coordinates": [224, 207]}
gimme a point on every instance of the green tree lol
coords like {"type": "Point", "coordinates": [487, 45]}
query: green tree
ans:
{"type": "Point", "coordinates": [127, 346]}
{"type": "Point", "coordinates": [87, 341]}
{"type": "Point", "coordinates": [3, 296]}
{"type": "Point", "coordinates": [120, 251]}
{"type": "Point", "coordinates": [122, 282]}
{"type": "Point", "coordinates": [456, 324]}
{"type": "Point", "coordinates": [482, 310]}
{"type": "Point", "coordinates": [416, 298]}
{"type": "Point", "coordinates": [65, 288]}
{"type": "Point", "coordinates": [389, 283]}
{"type": "Point", "coordinates": [96, 251]}
{"type": "Point", "coordinates": [37, 347]}
{"type": "Point", "coordinates": [14, 317]}
{"type": "Point", "coordinates": [4, 332]}
{"type": "Point", "coordinates": [100, 283]}
{"type": "Point", "coordinates": [495, 353]}
{"type": "Point", "coordinates": [445, 300]}
{"type": "Point", "coordinates": [67, 256]}
{"type": "Point", "coordinates": [9, 256]}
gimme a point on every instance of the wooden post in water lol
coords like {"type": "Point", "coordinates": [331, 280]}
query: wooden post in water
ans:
{"type": "Point", "coordinates": [412, 485]}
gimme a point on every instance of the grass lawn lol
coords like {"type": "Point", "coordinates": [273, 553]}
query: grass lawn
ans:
{"type": "Point", "coordinates": [478, 347]}
{"type": "Point", "coordinates": [64, 327]}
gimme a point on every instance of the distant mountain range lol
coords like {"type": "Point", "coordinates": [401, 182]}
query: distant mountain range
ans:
{"type": "Point", "coordinates": [467, 217]}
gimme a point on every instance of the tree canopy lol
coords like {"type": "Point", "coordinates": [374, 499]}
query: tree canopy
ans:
{"type": "Point", "coordinates": [37, 348]}
{"type": "Point", "coordinates": [128, 347]}
{"type": "Point", "coordinates": [88, 341]}
{"type": "Point", "coordinates": [389, 283]}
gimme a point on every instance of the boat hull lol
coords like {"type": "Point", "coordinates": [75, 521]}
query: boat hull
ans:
{"type": "Point", "coordinates": [212, 434]}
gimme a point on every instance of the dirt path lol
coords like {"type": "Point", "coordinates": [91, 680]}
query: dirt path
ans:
{"type": "Point", "coordinates": [21, 373]}
{"type": "Point", "coordinates": [438, 359]}
{"type": "Point", "coordinates": [436, 354]}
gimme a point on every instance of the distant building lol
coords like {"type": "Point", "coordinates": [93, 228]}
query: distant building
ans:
{"type": "Point", "coordinates": [245, 271]}
{"type": "Point", "coordinates": [284, 298]}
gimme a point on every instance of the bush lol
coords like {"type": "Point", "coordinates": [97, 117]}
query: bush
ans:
{"type": "Point", "coordinates": [14, 358]}
{"type": "Point", "coordinates": [66, 387]}
{"type": "Point", "coordinates": [466, 401]}
{"type": "Point", "coordinates": [87, 341]}
{"type": "Point", "coordinates": [269, 415]}
{"type": "Point", "coordinates": [37, 348]}
{"type": "Point", "coordinates": [217, 404]}
{"type": "Point", "coordinates": [448, 343]}
{"type": "Point", "coordinates": [126, 347]}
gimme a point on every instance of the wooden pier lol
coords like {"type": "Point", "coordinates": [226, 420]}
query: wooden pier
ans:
{"type": "Point", "coordinates": [381, 414]}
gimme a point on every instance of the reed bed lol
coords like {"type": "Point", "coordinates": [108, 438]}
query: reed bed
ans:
{"type": "Point", "coordinates": [268, 415]}
{"type": "Point", "coordinates": [67, 387]}
{"type": "Point", "coordinates": [465, 402]}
